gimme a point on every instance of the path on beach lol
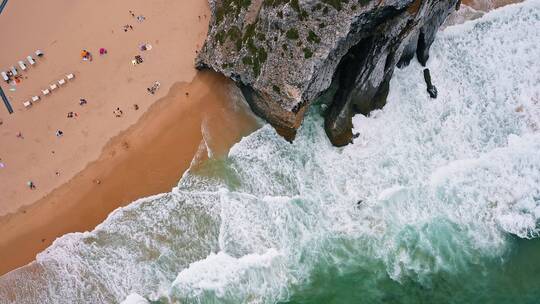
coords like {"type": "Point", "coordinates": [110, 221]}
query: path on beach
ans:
{"type": "Point", "coordinates": [4, 2]}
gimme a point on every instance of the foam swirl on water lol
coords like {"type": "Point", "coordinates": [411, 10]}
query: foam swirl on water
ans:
{"type": "Point", "coordinates": [430, 187]}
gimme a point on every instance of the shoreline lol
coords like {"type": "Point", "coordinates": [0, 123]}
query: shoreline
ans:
{"type": "Point", "coordinates": [141, 152]}
{"type": "Point", "coordinates": [153, 153]}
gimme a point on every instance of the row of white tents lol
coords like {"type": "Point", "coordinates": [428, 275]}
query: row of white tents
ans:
{"type": "Point", "coordinates": [12, 71]}
{"type": "Point", "coordinates": [49, 90]}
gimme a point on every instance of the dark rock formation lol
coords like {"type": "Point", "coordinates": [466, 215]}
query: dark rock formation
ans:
{"type": "Point", "coordinates": [431, 89]}
{"type": "Point", "coordinates": [284, 54]}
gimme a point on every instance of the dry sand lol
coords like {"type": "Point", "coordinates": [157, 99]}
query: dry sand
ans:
{"type": "Point", "coordinates": [62, 28]}
{"type": "Point", "coordinates": [143, 152]}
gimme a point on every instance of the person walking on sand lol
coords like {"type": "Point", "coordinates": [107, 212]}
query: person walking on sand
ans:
{"type": "Point", "coordinates": [59, 133]}
{"type": "Point", "coordinates": [31, 185]}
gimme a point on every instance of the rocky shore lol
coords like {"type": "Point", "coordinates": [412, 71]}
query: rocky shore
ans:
{"type": "Point", "coordinates": [287, 54]}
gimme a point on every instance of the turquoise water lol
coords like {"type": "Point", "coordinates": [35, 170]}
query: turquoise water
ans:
{"type": "Point", "coordinates": [512, 278]}
{"type": "Point", "coordinates": [449, 191]}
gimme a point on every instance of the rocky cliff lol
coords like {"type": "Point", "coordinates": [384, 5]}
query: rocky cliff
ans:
{"type": "Point", "coordinates": [285, 54]}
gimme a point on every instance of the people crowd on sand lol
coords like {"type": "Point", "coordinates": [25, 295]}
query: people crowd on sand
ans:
{"type": "Point", "coordinates": [12, 77]}
{"type": "Point", "coordinates": [86, 55]}
{"type": "Point", "coordinates": [139, 18]}
{"type": "Point", "coordinates": [152, 90]}
{"type": "Point", "coordinates": [138, 59]}
{"type": "Point", "coordinates": [118, 113]}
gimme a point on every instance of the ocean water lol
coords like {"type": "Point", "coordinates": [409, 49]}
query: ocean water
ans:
{"type": "Point", "coordinates": [437, 201]}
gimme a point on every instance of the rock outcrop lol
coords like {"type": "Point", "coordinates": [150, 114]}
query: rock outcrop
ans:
{"type": "Point", "coordinates": [285, 54]}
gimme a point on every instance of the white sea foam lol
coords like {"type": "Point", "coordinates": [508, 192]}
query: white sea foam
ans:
{"type": "Point", "coordinates": [236, 279]}
{"type": "Point", "coordinates": [134, 299]}
{"type": "Point", "coordinates": [429, 186]}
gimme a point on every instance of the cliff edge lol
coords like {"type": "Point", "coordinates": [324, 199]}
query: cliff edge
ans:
{"type": "Point", "coordinates": [285, 54]}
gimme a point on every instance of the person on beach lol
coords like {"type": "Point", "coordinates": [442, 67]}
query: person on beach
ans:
{"type": "Point", "coordinates": [19, 135]}
{"type": "Point", "coordinates": [102, 51]}
{"type": "Point", "coordinates": [31, 185]}
{"type": "Point", "coordinates": [82, 102]}
{"type": "Point", "coordinates": [59, 133]}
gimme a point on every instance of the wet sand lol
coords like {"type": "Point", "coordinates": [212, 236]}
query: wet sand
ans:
{"type": "Point", "coordinates": [488, 5]}
{"type": "Point", "coordinates": [149, 158]}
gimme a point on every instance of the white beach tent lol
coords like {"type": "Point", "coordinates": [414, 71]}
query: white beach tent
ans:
{"type": "Point", "coordinates": [22, 65]}
{"type": "Point", "coordinates": [30, 60]}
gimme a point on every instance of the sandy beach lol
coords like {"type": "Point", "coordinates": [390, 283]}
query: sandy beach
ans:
{"type": "Point", "coordinates": [101, 161]}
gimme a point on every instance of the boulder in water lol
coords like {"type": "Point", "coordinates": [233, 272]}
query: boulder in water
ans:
{"type": "Point", "coordinates": [432, 90]}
